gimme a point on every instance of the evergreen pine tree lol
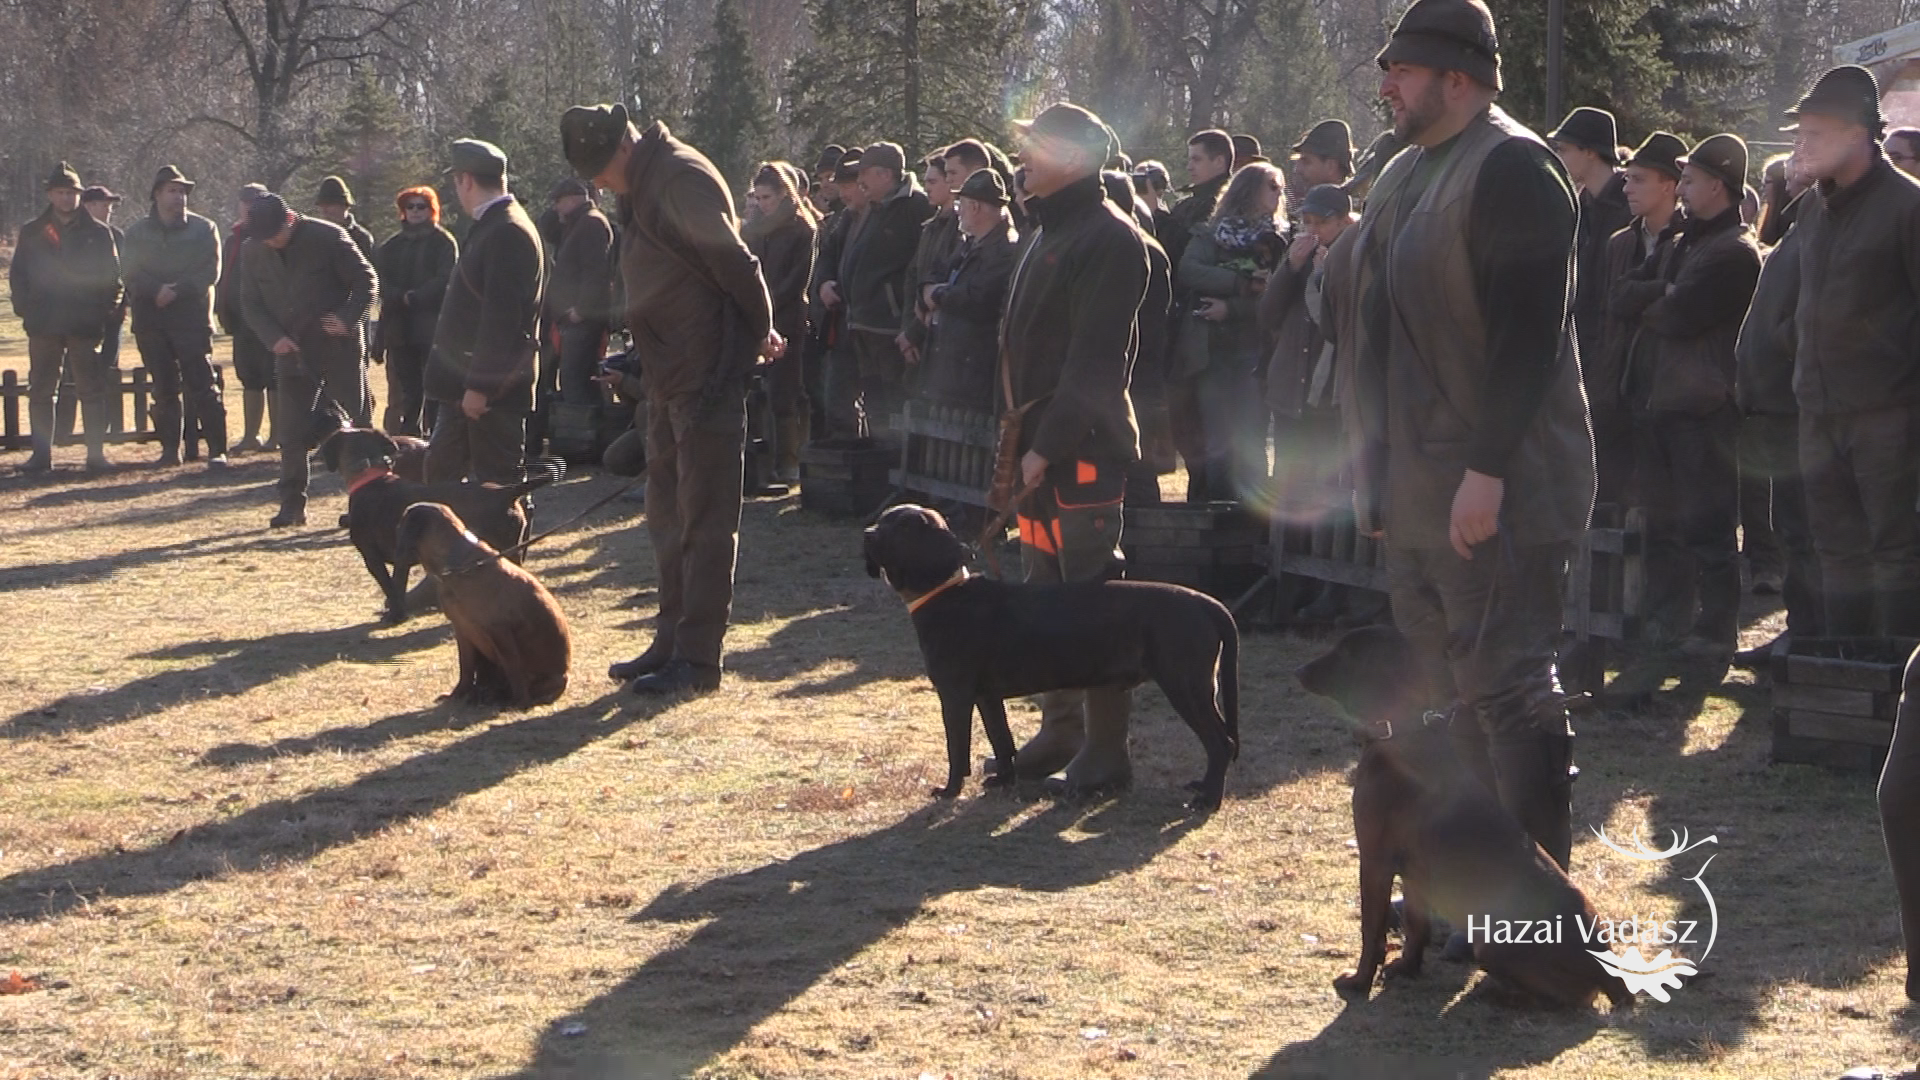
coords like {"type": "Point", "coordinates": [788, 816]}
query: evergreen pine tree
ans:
{"type": "Point", "coordinates": [730, 117]}
{"type": "Point", "coordinates": [374, 146]}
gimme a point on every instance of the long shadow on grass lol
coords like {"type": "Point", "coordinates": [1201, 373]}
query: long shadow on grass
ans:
{"type": "Point", "coordinates": [234, 666]}
{"type": "Point", "coordinates": [289, 830]}
{"type": "Point", "coordinates": [771, 933]}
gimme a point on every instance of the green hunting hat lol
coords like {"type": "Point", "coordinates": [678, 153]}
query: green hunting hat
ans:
{"type": "Point", "coordinates": [1661, 151]}
{"type": "Point", "coordinates": [333, 192]}
{"type": "Point", "coordinates": [477, 157]}
{"type": "Point", "coordinates": [63, 176]}
{"type": "Point", "coordinates": [169, 174]}
{"type": "Point", "coordinates": [1723, 157]}
{"type": "Point", "coordinates": [590, 135]}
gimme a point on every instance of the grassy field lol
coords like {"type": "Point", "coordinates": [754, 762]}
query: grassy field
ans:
{"type": "Point", "coordinates": [239, 838]}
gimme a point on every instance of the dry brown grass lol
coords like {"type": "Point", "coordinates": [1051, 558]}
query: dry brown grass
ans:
{"type": "Point", "coordinates": [238, 839]}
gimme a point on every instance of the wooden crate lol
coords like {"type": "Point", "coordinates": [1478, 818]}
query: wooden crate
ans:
{"type": "Point", "coordinates": [851, 480]}
{"type": "Point", "coordinates": [1835, 699]}
{"type": "Point", "coordinates": [948, 457]}
{"type": "Point", "coordinates": [129, 419]}
{"type": "Point", "coordinates": [1218, 548]}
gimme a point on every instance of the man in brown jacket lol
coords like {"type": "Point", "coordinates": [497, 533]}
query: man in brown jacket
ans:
{"type": "Point", "coordinates": [305, 290]}
{"type": "Point", "coordinates": [700, 315]}
{"type": "Point", "coordinates": [482, 367]}
{"type": "Point", "coordinates": [1857, 367]}
{"type": "Point", "coordinates": [1070, 341]}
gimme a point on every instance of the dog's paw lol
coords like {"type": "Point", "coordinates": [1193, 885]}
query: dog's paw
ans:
{"type": "Point", "coordinates": [1406, 967]}
{"type": "Point", "coordinates": [1352, 987]}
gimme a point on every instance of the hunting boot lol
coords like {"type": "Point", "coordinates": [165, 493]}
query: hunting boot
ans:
{"type": "Point", "coordinates": [40, 426]}
{"type": "Point", "coordinates": [253, 405]}
{"type": "Point", "coordinates": [654, 659]}
{"type": "Point", "coordinates": [168, 423]}
{"type": "Point", "coordinates": [293, 511]}
{"type": "Point", "coordinates": [213, 428]}
{"type": "Point", "coordinates": [1534, 770]}
{"type": "Point", "coordinates": [790, 436]}
{"type": "Point", "coordinates": [93, 417]}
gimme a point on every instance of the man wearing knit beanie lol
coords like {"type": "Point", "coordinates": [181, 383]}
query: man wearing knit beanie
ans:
{"type": "Point", "coordinates": [1478, 464]}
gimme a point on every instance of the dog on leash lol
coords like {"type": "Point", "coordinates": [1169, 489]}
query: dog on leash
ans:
{"type": "Point", "coordinates": [985, 641]}
{"type": "Point", "coordinates": [1420, 813]}
{"type": "Point", "coordinates": [515, 647]}
{"type": "Point", "coordinates": [377, 496]}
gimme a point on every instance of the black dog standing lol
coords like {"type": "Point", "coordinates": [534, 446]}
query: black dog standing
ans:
{"type": "Point", "coordinates": [985, 641]}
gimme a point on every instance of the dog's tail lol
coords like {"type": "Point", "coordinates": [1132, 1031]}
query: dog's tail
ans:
{"type": "Point", "coordinates": [539, 472]}
{"type": "Point", "coordinates": [1229, 672]}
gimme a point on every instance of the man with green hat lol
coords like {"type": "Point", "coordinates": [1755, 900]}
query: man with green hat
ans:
{"type": "Point", "coordinates": [172, 262]}
{"type": "Point", "coordinates": [1857, 365]}
{"type": "Point", "coordinates": [700, 316]}
{"type": "Point", "coordinates": [482, 367]}
{"type": "Point", "coordinates": [1687, 304]}
{"type": "Point", "coordinates": [1472, 450]}
{"type": "Point", "coordinates": [1587, 142]}
{"type": "Point", "coordinates": [65, 279]}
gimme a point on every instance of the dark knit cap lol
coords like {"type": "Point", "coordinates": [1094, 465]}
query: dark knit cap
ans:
{"type": "Point", "coordinates": [333, 192]}
{"type": "Point", "coordinates": [1329, 139]}
{"type": "Point", "coordinates": [1849, 92]}
{"type": "Point", "coordinates": [985, 186]}
{"type": "Point", "coordinates": [1069, 123]}
{"type": "Point", "coordinates": [1591, 129]}
{"type": "Point", "coordinates": [1723, 157]}
{"type": "Point", "coordinates": [1327, 201]}
{"type": "Point", "coordinates": [63, 176]}
{"type": "Point", "coordinates": [1661, 151]}
{"type": "Point", "coordinates": [1450, 35]}
{"type": "Point", "coordinates": [590, 135]}
{"type": "Point", "coordinates": [267, 214]}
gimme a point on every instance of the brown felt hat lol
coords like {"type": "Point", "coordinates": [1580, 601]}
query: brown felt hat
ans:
{"type": "Point", "coordinates": [1329, 139]}
{"type": "Point", "coordinates": [590, 135]}
{"type": "Point", "coordinates": [1661, 151]}
{"type": "Point", "coordinates": [1591, 129]}
{"type": "Point", "coordinates": [1448, 35]}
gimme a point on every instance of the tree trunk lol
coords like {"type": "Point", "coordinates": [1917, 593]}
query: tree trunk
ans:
{"type": "Point", "coordinates": [910, 50]}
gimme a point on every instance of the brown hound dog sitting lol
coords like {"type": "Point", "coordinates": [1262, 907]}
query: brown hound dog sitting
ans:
{"type": "Point", "coordinates": [985, 641]}
{"type": "Point", "coordinates": [1419, 812]}
{"type": "Point", "coordinates": [514, 644]}
{"type": "Point", "coordinates": [377, 496]}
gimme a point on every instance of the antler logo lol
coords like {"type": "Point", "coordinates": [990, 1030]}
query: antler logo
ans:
{"type": "Point", "coordinates": [1664, 972]}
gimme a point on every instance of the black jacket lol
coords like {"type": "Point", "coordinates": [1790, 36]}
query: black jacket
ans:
{"type": "Point", "coordinates": [1691, 297]}
{"type": "Point", "coordinates": [1601, 215]}
{"type": "Point", "coordinates": [1070, 326]}
{"type": "Point", "coordinates": [1858, 316]}
{"type": "Point", "coordinates": [1764, 354]}
{"type": "Point", "coordinates": [784, 245]}
{"type": "Point", "coordinates": [490, 315]}
{"type": "Point", "coordinates": [878, 288]}
{"type": "Point", "coordinates": [65, 277]}
{"type": "Point", "coordinates": [1192, 211]}
{"type": "Point", "coordinates": [962, 364]}
{"type": "Point", "coordinates": [415, 265]}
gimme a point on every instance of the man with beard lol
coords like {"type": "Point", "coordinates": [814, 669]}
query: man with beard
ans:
{"type": "Point", "coordinates": [1473, 454]}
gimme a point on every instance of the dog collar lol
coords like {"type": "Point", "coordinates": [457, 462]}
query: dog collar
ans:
{"type": "Point", "coordinates": [919, 602]}
{"type": "Point", "coordinates": [1382, 730]}
{"type": "Point", "coordinates": [374, 471]}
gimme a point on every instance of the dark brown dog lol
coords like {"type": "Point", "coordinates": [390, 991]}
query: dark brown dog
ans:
{"type": "Point", "coordinates": [377, 497]}
{"type": "Point", "coordinates": [515, 647]}
{"type": "Point", "coordinates": [1419, 812]}
{"type": "Point", "coordinates": [985, 641]}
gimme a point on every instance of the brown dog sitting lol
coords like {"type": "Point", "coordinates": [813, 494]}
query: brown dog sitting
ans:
{"type": "Point", "coordinates": [515, 647]}
{"type": "Point", "coordinates": [377, 495]}
{"type": "Point", "coordinates": [1420, 813]}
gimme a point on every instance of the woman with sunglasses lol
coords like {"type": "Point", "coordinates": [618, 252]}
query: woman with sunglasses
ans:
{"type": "Point", "coordinates": [413, 265]}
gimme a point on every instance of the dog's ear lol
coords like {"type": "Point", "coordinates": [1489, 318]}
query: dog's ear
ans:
{"type": "Point", "coordinates": [330, 451]}
{"type": "Point", "coordinates": [869, 541]}
{"type": "Point", "coordinates": [388, 448]}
